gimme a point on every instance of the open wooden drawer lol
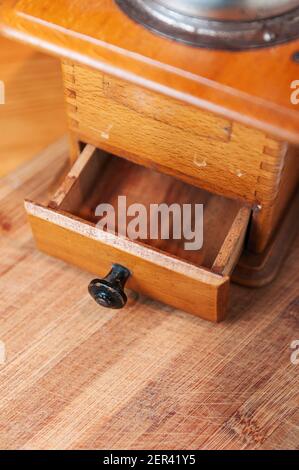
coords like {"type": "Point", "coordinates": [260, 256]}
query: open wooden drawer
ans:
{"type": "Point", "coordinates": [196, 281]}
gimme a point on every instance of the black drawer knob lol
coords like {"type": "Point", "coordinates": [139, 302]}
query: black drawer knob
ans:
{"type": "Point", "coordinates": [109, 291]}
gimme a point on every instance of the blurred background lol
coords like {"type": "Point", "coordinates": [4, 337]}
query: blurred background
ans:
{"type": "Point", "coordinates": [33, 115]}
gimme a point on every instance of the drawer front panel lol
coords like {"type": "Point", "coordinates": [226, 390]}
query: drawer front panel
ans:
{"type": "Point", "coordinates": [161, 277]}
{"type": "Point", "coordinates": [173, 137]}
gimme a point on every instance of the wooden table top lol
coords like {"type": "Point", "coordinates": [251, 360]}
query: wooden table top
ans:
{"type": "Point", "coordinates": [253, 87]}
{"type": "Point", "coordinates": [78, 376]}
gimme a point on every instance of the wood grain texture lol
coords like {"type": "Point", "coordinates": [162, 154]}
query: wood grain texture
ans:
{"type": "Point", "coordinates": [81, 377]}
{"type": "Point", "coordinates": [162, 269]}
{"type": "Point", "coordinates": [163, 133]}
{"type": "Point", "coordinates": [252, 87]}
{"type": "Point", "coordinates": [33, 115]}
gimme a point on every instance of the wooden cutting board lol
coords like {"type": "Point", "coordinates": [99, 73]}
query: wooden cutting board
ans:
{"type": "Point", "coordinates": [149, 377]}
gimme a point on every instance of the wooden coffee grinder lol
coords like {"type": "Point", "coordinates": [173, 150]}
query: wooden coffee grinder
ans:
{"type": "Point", "coordinates": [196, 101]}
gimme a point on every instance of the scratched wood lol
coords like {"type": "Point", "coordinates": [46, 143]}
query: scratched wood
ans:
{"type": "Point", "coordinates": [78, 376]}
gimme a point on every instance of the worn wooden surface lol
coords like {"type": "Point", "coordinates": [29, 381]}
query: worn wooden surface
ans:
{"type": "Point", "coordinates": [78, 376]}
{"type": "Point", "coordinates": [33, 114]}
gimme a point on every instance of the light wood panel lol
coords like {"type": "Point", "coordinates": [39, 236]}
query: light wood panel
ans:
{"type": "Point", "coordinates": [78, 376]}
{"type": "Point", "coordinates": [252, 87]}
{"type": "Point", "coordinates": [33, 115]}
{"type": "Point", "coordinates": [215, 154]}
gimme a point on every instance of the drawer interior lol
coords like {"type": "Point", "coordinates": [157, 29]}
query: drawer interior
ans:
{"type": "Point", "coordinates": [105, 177]}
